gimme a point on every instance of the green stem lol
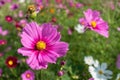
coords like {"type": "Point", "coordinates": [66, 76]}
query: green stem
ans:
{"type": "Point", "coordinates": [39, 75]}
{"type": "Point", "coordinates": [13, 72]}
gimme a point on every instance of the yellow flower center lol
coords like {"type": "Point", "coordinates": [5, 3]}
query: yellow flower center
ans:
{"type": "Point", "coordinates": [10, 62]}
{"type": "Point", "coordinates": [28, 75]}
{"type": "Point", "coordinates": [52, 10]}
{"type": "Point", "coordinates": [100, 72]}
{"type": "Point", "coordinates": [93, 24]}
{"type": "Point", "coordinates": [41, 45]}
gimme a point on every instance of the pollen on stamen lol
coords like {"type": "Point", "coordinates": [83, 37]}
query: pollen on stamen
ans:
{"type": "Point", "coordinates": [40, 45]}
{"type": "Point", "coordinates": [93, 24]}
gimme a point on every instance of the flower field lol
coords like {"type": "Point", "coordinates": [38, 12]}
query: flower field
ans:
{"type": "Point", "coordinates": [59, 39]}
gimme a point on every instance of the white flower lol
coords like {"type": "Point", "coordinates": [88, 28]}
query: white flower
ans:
{"type": "Point", "coordinates": [118, 77]}
{"type": "Point", "coordinates": [21, 1]}
{"type": "Point", "coordinates": [99, 72]}
{"type": "Point", "coordinates": [89, 60]}
{"type": "Point", "coordinates": [80, 28]}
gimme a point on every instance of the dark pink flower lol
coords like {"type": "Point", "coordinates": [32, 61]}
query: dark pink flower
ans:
{"type": "Point", "coordinates": [28, 75]}
{"type": "Point", "coordinates": [14, 6]}
{"type": "Point", "coordinates": [2, 2]}
{"type": "Point", "coordinates": [94, 22]}
{"type": "Point", "coordinates": [9, 18]}
{"type": "Point", "coordinates": [42, 45]}
{"type": "Point", "coordinates": [3, 42]}
{"type": "Point", "coordinates": [11, 62]}
{"type": "Point", "coordinates": [62, 63]}
{"type": "Point", "coordinates": [61, 73]}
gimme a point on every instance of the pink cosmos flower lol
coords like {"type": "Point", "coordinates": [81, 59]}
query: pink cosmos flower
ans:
{"type": "Point", "coordinates": [3, 42]}
{"type": "Point", "coordinates": [28, 75]}
{"type": "Point", "coordinates": [42, 45]}
{"type": "Point", "coordinates": [20, 14]}
{"type": "Point", "coordinates": [14, 6]}
{"type": "Point", "coordinates": [91, 79]}
{"type": "Point", "coordinates": [9, 18]}
{"type": "Point", "coordinates": [3, 33]}
{"type": "Point", "coordinates": [94, 22]}
{"type": "Point", "coordinates": [118, 28]}
{"type": "Point", "coordinates": [79, 5]}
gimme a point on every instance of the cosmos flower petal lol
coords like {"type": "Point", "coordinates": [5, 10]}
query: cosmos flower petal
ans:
{"type": "Point", "coordinates": [103, 66]}
{"type": "Point", "coordinates": [49, 57]}
{"type": "Point", "coordinates": [60, 48]}
{"type": "Point", "coordinates": [27, 41]}
{"type": "Point", "coordinates": [88, 15]}
{"type": "Point", "coordinates": [50, 33]}
{"type": "Point", "coordinates": [102, 32]}
{"type": "Point", "coordinates": [32, 30]}
{"type": "Point", "coordinates": [108, 72]}
{"type": "Point", "coordinates": [25, 51]}
{"type": "Point", "coordinates": [36, 64]}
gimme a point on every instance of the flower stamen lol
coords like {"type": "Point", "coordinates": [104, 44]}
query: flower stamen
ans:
{"type": "Point", "coordinates": [100, 72]}
{"type": "Point", "coordinates": [10, 62]}
{"type": "Point", "coordinates": [41, 45]}
{"type": "Point", "coordinates": [28, 75]}
{"type": "Point", "coordinates": [93, 24]}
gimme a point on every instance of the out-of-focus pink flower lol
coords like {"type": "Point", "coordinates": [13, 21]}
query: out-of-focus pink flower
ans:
{"type": "Point", "coordinates": [62, 63]}
{"type": "Point", "coordinates": [79, 5]}
{"type": "Point", "coordinates": [2, 3]}
{"type": "Point", "coordinates": [118, 61]}
{"type": "Point", "coordinates": [71, 4]}
{"type": "Point", "coordinates": [14, 6]}
{"type": "Point", "coordinates": [23, 22]}
{"type": "Point", "coordinates": [3, 33]}
{"type": "Point", "coordinates": [1, 71]}
{"type": "Point", "coordinates": [54, 20]}
{"type": "Point", "coordinates": [9, 18]}
{"type": "Point", "coordinates": [42, 45]}
{"type": "Point", "coordinates": [28, 75]}
{"type": "Point", "coordinates": [110, 4]}
{"type": "Point", "coordinates": [58, 1]}
{"type": "Point", "coordinates": [70, 30]}
{"type": "Point", "coordinates": [1, 54]}
{"type": "Point", "coordinates": [20, 14]}
{"type": "Point", "coordinates": [94, 22]}
{"type": "Point", "coordinates": [118, 28]}
{"type": "Point", "coordinates": [3, 42]}
{"type": "Point", "coordinates": [61, 73]}
{"type": "Point", "coordinates": [9, 1]}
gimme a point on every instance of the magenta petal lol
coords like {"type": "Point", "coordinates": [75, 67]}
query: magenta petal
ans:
{"type": "Point", "coordinates": [27, 41]}
{"type": "Point", "coordinates": [34, 63]}
{"type": "Point", "coordinates": [60, 48]}
{"type": "Point", "coordinates": [25, 51]}
{"type": "Point", "coordinates": [102, 32]}
{"type": "Point", "coordinates": [50, 33]}
{"type": "Point", "coordinates": [88, 15]}
{"type": "Point", "coordinates": [50, 57]}
{"type": "Point", "coordinates": [32, 30]}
